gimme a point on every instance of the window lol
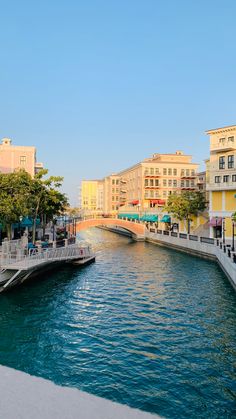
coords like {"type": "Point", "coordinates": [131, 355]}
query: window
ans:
{"type": "Point", "coordinates": [230, 162]}
{"type": "Point", "coordinates": [233, 178]}
{"type": "Point", "coordinates": [146, 182]}
{"type": "Point", "coordinates": [113, 198]}
{"type": "Point", "coordinates": [117, 190]}
{"type": "Point", "coordinates": [156, 182]}
{"type": "Point", "coordinates": [22, 160]}
{"type": "Point", "coordinates": [175, 183]}
{"type": "Point", "coordinates": [192, 172]}
{"type": "Point", "coordinates": [187, 172]}
{"type": "Point", "coordinates": [222, 162]}
{"type": "Point", "coordinates": [164, 172]}
{"type": "Point", "coordinates": [175, 172]}
{"type": "Point", "coordinates": [217, 179]}
{"type": "Point", "coordinates": [113, 182]}
{"type": "Point", "coordinates": [164, 193]}
{"type": "Point", "coordinates": [187, 183]}
{"type": "Point", "coordinates": [225, 178]}
{"type": "Point", "coordinates": [231, 139]}
{"type": "Point", "coordinates": [117, 181]}
{"type": "Point", "coordinates": [182, 172]}
{"type": "Point", "coordinates": [113, 190]}
{"type": "Point", "coordinates": [169, 182]}
{"type": "Point", "coordinates": [221, 140]}
{"type": "Point", "coordinates": [169, 172]}
{"type": "Point", "coordinates": [182, 183]}
{"type": "Point", "coordinates": [192, 183]}
{"type": "Point", "coordinates": [157, 171]}
{"type": "Point", "coordinates": [151, 171]}
{"type": "Point", "coordinates": [151, 194]}
{"type": "Point", "coordinates": [164, 182]}
{"type": "Point", "coordinates": [151, 182]}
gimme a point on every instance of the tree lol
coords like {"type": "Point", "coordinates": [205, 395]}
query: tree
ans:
{"type": "Point", "coordinates": [45, 200]}
{"type": "Point", "coordinates": [186, 205]}
{"type": "Point", "coordinates": [14, 188]}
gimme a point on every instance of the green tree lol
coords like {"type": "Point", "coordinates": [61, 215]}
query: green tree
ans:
{"type": "Point", "coordinates": [14, 188]}
{"type": "Point", "coordinates": [186, 205]}
{"type": "Point", "coordinates": [45, 200]}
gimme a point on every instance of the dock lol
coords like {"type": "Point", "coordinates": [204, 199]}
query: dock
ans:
{"type": "Point", "coordinates": [18, 263]}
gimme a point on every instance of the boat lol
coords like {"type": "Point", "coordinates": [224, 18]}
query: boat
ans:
{"type": "Point", "coordinates": [18, 263]}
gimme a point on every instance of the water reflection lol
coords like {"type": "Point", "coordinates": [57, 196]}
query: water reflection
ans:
{"type": "Point", "coordinates": [144, 325]}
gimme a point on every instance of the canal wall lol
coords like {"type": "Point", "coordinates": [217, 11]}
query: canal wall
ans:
{"type": "Point", "coordinates": [198, 246]}
{"type": "Point", "coordinates": [203, 247]}
{"type": "Point", "coordinates": [24, 396]}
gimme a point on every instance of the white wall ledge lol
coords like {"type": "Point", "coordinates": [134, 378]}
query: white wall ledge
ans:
{"type": "Point", "coordinates": [25, 397]}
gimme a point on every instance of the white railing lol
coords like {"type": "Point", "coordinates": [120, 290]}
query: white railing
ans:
{"type": "Point", "coordinates": [37, 257]}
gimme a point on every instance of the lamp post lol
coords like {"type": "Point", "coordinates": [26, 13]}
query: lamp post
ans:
{"type": "Point", "coordinates": [216, 218]}
{"type": "Point", "coordinates": [233, 225]}
{"type": "Point", "coordinates": [223, 230]}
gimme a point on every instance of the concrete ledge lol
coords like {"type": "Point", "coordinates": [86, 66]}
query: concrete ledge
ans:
{"type": "Point", "coordinates": [25, 397]}
{"type": "Point", "coordinates": [193, 252]}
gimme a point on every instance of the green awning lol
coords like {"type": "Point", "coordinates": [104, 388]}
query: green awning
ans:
{"type": "Point", "coordinates": [151, 218]}
{"type": "Point", "coordinates": [130, 216]}
{"type": "Point", "coordinates": [166, 219]}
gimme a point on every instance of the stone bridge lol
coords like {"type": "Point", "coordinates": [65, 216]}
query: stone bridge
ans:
{"type": "Point", "coordinates": [137, 230]}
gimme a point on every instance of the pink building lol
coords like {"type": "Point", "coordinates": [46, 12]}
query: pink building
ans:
{"type": "Point", "coordinates": [18, 157]}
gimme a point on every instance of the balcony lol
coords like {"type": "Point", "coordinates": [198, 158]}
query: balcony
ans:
{"type": "Point", "coordinates": [221, 186]}
{"type": "Point", "coordinates": [223, 146]}
{"type": "Point", "coordinates": [191, 176]}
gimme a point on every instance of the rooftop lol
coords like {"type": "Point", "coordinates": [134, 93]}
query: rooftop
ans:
{"type": "Point", "coordinates": [222, 129]}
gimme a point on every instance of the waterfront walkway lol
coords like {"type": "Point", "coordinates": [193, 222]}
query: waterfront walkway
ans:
{"type": "Point", "coordinates": [25, 397]}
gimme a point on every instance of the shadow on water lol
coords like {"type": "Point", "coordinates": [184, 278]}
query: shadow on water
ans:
{"type": "Point", "coordinates": [146, 326]}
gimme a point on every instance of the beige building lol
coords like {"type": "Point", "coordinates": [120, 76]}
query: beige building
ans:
{"type": "Point", "coordinates": [18, 157]}
{"type": "Point", "coordinates": [221, 182]}
{"type": "Point", "coordinates": [147, 185]}
{"type": "Point", "coordinates": [111, 201]}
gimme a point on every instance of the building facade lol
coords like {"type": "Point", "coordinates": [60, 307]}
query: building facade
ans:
{"type": "Point", "coordinates": [221, 182]}
{"type": "Point", "coordinates": [18, 157]}
{"type": "Point", "coordinates": [92, 197]}
{"type": "Point", "coordinates": [147, 185]}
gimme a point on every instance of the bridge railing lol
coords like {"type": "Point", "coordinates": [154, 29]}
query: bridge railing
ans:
{"type": "Point", "coordinates": [36, 257]}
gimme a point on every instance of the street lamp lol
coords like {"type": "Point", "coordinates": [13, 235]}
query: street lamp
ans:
{"type": "Point", "coordinates": [216, 218]}
{"type": "Point", "coordinates": [233, 218]}
{"type": "Point", "coordinates": [223, 230]}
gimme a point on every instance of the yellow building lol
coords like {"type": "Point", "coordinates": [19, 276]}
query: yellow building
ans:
{"type": "Point", "coordinates": [222, 180]}
{"type": "Point", "coordinates": [92, 193]}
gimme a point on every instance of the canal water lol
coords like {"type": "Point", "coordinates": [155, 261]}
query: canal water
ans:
{"type": "Point", "coordinates": [144, 325]}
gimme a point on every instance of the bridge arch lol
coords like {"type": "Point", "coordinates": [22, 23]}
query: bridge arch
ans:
{"type": "Point", "coordinates": [136, 229]}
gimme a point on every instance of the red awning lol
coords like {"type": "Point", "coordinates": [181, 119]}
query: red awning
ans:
{"type": "Point", "coordinates": [215, 221]}
{"type": "Point", "coordinates": [154, 201]}
{"type": "Point", "coordinates": [135, 202]}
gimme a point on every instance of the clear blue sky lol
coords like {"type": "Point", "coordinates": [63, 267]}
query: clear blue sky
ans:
{"type": "Point", "coordinates": [98, 85]}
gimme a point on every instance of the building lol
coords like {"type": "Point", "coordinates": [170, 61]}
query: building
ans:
{"type": "Point", "coordinates": [18, 157]}
{"type": "Point", "coordinates": [92, 197]}
{"type": "Point", "coordinates": [147, 185]}
{"type": "Point", "coordinates": [222, 180]}
{"type": "Point", "coordinates": [111, 202]}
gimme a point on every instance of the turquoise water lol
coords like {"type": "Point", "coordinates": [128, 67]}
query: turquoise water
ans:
{"type": "Point", "coordinates": [145, 326]}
